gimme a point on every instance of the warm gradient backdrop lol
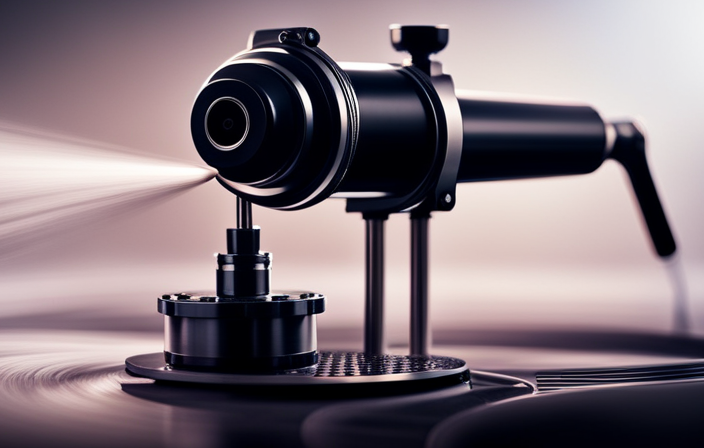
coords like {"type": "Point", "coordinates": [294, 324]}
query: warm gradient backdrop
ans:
{"type": "Point", "coordinates": [561, 251]}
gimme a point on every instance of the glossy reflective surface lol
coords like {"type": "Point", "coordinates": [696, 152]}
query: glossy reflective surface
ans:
{"type": "Point", "coordinates": [72, 384]}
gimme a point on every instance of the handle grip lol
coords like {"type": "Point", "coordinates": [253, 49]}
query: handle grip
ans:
{"type": "Point", "coordinates": [629, 150]}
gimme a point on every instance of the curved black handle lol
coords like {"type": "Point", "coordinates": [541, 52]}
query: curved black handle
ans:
{"type": "Point", "coordinates": [629, 150]}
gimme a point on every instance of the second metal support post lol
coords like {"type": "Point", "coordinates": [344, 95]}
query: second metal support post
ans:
{"type": "Point", "coordinates": [420, 331]}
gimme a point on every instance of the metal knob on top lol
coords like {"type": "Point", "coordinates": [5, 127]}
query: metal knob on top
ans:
{"type": "Point", "coordinates": [420, 41]}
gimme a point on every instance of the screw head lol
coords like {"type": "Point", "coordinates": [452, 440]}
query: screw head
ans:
{"type": "Point", "coordinates": [312, 38]}
{"type": "Point", "coordinates": [283, 36]}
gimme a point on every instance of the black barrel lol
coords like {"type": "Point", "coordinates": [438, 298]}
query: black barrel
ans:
{"type": "Point", "coordinates": [513, 140]}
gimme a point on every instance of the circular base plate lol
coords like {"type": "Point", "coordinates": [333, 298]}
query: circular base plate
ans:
{"type": "Point", "coordinates": [333, 368]}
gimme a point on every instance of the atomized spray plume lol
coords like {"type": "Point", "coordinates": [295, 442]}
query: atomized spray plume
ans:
{"type": "Point", "coordinates": [50, 184]}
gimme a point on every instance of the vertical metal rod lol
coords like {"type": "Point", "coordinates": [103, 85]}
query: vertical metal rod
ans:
{"type": "Point", "coordinates": [244, 214]}
{"type": "Point", "coordinates": [420, 331]}
{"type": "Point", "coordinates": [374, 341]}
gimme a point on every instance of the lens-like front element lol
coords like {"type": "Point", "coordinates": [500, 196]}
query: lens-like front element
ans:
{"type": "Point", "coordinates": [279, 123]}
{"type": "Point", "coordinates": [226, 123]}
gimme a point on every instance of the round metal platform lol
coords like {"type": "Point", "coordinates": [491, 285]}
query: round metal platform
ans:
{"type": "Point", "coordinates": [333, 368]}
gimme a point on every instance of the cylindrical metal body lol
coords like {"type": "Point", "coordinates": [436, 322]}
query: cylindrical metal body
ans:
{"type": "Point", "coordinates": [370, 131]}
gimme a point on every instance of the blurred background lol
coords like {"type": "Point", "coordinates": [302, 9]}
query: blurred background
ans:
{"type": "Point", "coordinates": [551, 253]}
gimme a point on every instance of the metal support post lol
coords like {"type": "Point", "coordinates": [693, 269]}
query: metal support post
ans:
{"type": "Point", "coordinates": [374, 341]}
{"type": "Point", "coordinates": [420, 331]}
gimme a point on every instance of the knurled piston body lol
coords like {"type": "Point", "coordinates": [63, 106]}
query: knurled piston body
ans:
{"type": "Point", "coordinates": [243, 327]}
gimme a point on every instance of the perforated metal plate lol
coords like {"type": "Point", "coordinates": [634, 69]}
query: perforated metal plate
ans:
{"type": "Point", "coordinates": [340, 364]}
{"type": "Point", "coordinates": [332, 368]}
